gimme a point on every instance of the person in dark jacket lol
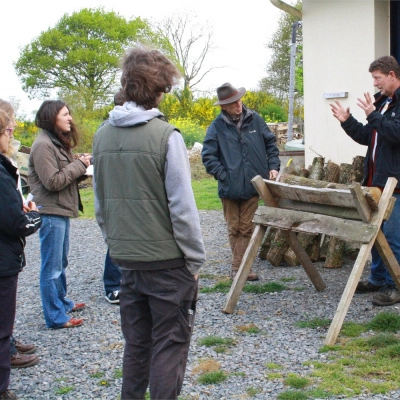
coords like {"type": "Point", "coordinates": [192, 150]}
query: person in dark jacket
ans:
{"type": "Point", "coordinates": [237, 147]}
{"type": "Point", "coordinates": [381, 134]}
{"type": "Point", "coordinates": [16, 222]}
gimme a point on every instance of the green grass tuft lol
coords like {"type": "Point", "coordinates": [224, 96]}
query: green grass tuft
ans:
{"type": "Point", "coordinates": [385, 322]}
{"type": "Point", "coordinates": [314, 323]}
{"type": "Point", "coordinates": [296, 381]}
{"type": "Point", "coordinates": [213, 377]}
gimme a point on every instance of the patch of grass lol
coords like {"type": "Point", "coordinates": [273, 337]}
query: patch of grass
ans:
{"type": "Point", "coordinates": [253, 391]}
{"type": "Point", "coordinates": [292, 395]}
{"type": "Point", "coordinates": [87, 198]}
{"type": "Point", "coordinates": [215, 340]}
{"type": "Point", "coordinates": [212, 378]}
{"type": "Point", "coordinates": [270, 287]}
{"type": "Point", "coordinates": [98, 374]}
{"type": "Point", "coordinates": [314, 323]}
{"type": "Point", "coordinates": [209, 276]}
{"type": "Point", "coordinates": [206, 194]}
{"type": "Point", "coordinates": [118, 374]}
{"type": "Point", "coordinates": [296, 381]}
{"type": "Point", "coordinates": [242, 374]}
{"type": "Point", "coordinates": [382, 340]}
{"type": "Point", "coordinates": [209, 365]}
{"type": "Point", "coordinates": [289, 279]}
{"type": "Point", "coordinates": [385, 322]}
{"type": "Point", "coordinates": [273, 365]}
{"type": "Point", "coordinates": [352, 329]}
{"type": "Point", "coordinates": [220, 287]}
{"type": "Point", "coordinates": [273, 376]}
{"type": "Point", "coordinates": [249, 328]}
{"type": "Point", "coordinates": [64, 390]}
{"type": "Point", "coordinates": [224, 286]}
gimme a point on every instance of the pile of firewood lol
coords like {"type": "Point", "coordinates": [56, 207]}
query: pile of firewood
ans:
{"type": "Point", "coordinates": [319, 247]}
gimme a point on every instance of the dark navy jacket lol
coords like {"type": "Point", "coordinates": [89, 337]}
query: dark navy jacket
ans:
{"type": "Point", "coordinates": [15, 224]}
{"type": "Point", "coordinates": [235, 157]}
{"type": "Point", "coordinates": [387, 154]}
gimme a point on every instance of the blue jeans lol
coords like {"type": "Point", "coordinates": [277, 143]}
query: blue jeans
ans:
{"type": "Point", "coordinates": [111, 275]}
{"type": "Point", "coordinates": [54, 246]}
{"type": "Point", "coordinates": [379, 274]}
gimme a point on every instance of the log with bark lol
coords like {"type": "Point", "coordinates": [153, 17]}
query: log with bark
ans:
{"type": "Point", "coordinates": [316, 170]}
{"type": "Point", "coordinates": [278, 249]}
{"type": "Point", "coordinates": [266, 243]}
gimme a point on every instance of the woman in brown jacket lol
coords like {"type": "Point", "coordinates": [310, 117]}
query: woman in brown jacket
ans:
{"type": "Point", "coordinates": [53, 179]}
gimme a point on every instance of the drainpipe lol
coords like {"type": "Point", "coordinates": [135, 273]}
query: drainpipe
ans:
{"type": "Point", "coordinates": [291, 80]}
{"type": "Point", "coordinates": [287, 8]}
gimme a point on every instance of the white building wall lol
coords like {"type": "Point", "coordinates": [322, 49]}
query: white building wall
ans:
{"type": "Point", "coordinates": [340, 40]}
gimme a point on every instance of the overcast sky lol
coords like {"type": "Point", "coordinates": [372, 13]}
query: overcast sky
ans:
{"type": "Point", "coordinates": [241, 32]}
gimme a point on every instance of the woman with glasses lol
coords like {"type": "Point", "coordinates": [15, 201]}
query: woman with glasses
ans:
{"type": "Point", "coordinates": [21, 354]}
{"type": "Point", "coordinates": [53, 179]}
{"type": "Point", "coordinates": [16, 222]}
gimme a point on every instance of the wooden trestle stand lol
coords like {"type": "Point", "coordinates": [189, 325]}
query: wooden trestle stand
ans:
{"type": "Point", "coordinates": [341, 213]}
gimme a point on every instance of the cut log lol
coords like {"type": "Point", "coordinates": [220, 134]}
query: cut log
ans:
{"type": "Point", "coordinates": [331, 172]}
{"type": "Point", "coordinates": [316, 170]}
{"type": "Point", "coordinates": [336, 250]}
{"type": "Point", "coordinates": [310, 243]}
{"type": "Point", "coordinates": [358, 166]}
{"type": "Point", "coordinates": [346, 173]}
{"type": "Point", "coordinates": [266, 243]}
{"type": "Point", "coordinates": [278, 249]}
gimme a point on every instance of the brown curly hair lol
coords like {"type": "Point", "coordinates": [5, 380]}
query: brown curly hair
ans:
{"type": "Point", "coordinates": [146, 74]}
{"type": "Point", "coordinates": [385, 64]}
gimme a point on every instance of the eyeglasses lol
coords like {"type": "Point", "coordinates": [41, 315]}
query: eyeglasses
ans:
{"type": "Point", "coordinates": [9, 132]}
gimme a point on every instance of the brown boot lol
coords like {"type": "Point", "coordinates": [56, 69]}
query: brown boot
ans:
{"type": "Point", "coordinates": [23, 360]}
{"type": "Point", "coordinates": [25, 348]}
{"type": "Point", "coordinates": [251, 277]}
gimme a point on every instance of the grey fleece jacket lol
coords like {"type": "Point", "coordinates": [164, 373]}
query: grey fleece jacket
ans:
{"type": "Point", "coordinates": [182, 207]}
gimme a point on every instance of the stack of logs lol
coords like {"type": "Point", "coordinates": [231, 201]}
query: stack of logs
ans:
{"type": "Point", "coordinates": [319, 247]}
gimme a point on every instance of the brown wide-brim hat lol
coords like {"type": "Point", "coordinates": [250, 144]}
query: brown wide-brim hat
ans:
{"type": "Point", "coordinates": [229, 94]}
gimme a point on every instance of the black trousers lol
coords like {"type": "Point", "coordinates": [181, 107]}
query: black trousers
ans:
{"type": "Point", "coordinates": [8, 301]}
{"type": "Point", "coordinates": [157, 317]}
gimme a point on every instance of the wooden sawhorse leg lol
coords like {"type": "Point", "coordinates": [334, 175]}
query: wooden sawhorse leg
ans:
{"type": "Point", "coordinates": [244, 269]}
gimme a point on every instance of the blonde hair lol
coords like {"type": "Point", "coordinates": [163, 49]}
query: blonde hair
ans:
{"type": "Point", "coordinates": [4, 121]}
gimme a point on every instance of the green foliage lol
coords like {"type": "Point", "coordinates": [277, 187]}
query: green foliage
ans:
{"type": "Point", "coordinates": [65, 389]}
{"type": "Point", "coordinates": [385, 322]}
{"type": "Point", "coordinates": [270, 287]}
{"type": "Point", "coordinates": [314, 323]}
{"type": "Point", "coordinates": [87, 129]}
{"type": "Point", "coordinates": [210, 341]}
{"type": "Point", "coordinates": [266, 105]}
{"type": "Point", "coordinates": [81, 54]}
{"type": "Point", "coordinates": [296, 381]}
{"type": "Point", "coordinates": [26, 132]}
{"type": "Point", "coordinates": [382, 340]}
{"type": "Point", "coordinates": [191, 131]}
{"type": "Point", "coordinates": [352, 329]}
{"type": "Point", "coordinates": [292, 395]}
{"type": "Point", "coordinates": [213, 377]}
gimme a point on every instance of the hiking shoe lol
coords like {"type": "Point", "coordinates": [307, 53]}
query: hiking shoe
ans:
{"type": "Point", "coordinates": [8, 395]}
{"type": "Point", "coordinates": [387, 296]}
{"type": "Point", "coordinates": [78, 306]}
{"type": "Point", "coordinates": [19, 360]}
{"type": "Point", "coordinates": [72, 323]}
{"type": "Point", "coordinates": [113, 297]}
{"type": "Point", "coordinates": [367, 287]}
{"type": "Point", "coordinates": [251, 277]}
{"type": "Point", "coordinates": [24, 348]}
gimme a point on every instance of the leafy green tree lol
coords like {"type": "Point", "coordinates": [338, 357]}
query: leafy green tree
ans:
{"type": "Point", "coordinates": [278, 69]}
{"type": "Point", "coordinates": [81, 55]}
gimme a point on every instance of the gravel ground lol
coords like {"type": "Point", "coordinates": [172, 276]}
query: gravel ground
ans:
{"type": "Point", "coordinates": [87, 360]}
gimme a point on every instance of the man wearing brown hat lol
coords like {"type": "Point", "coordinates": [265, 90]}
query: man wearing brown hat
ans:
{"type": "Point", "coordinates": [237, 147]}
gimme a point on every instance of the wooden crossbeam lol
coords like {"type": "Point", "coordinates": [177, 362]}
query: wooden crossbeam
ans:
{"type": "Point", "coordinates": [300, 221]}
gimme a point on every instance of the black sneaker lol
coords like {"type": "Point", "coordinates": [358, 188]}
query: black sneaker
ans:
{"type": "Point", "coordinates": [367, 287]}
{"type": "Point", "coordinates": [387, 296]}
{"type": "Point", "coordinates": [113, 297]}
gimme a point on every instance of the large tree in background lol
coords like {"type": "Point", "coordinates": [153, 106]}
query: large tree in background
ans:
{"type": "Point", "coordinates": [192, 43]}
{"type": "Point", "coordinates": [81, 56]}
{"type": "Point", "coordinates": [278, 68]}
